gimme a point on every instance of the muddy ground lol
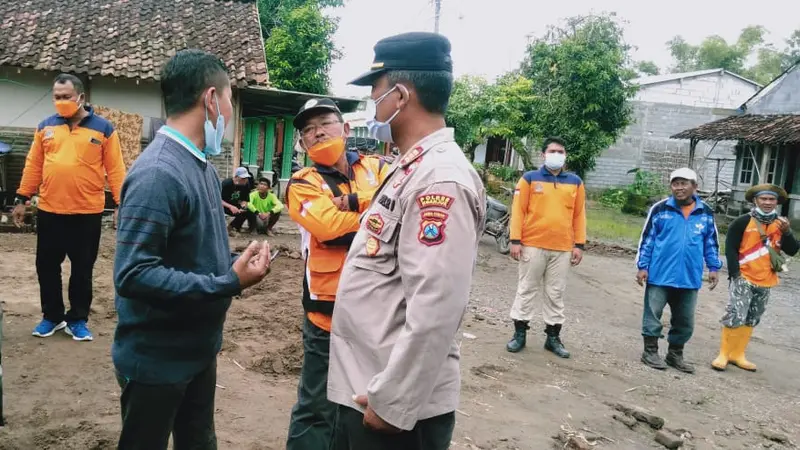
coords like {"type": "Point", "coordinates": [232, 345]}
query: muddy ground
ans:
{"type": "Point", "coordinates": [61, 394]}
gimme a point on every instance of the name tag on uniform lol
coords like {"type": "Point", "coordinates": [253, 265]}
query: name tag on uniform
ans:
{"type": "Point", "coordinates": [386, 202]}
{"type": "Point", "coordinates": [95, 141]}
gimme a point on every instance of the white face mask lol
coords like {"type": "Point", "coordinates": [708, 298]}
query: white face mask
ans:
{"type": "Point", "coordinates": [555, 161]}
{"type": "Point", "coordinates": [381, 131]}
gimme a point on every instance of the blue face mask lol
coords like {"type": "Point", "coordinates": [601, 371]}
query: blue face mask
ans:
{"type": "Point", "coordinates": [381, 131]}
{"type": "Point", "coordinates": [214, 134]}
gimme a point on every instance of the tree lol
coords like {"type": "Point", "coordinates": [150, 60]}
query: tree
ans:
{"type": "Point", "coordinates": [578, 75]}
{"type": "Point", "coordinates": [299, 43]}
{"type": "Point", "coordinates": [716, 53]}
{"type": "Point", "coordinates": [468, 111]}
{"type": "Point", "coordinates": [647, 68]}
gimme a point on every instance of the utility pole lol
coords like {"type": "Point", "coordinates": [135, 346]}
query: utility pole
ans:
{"type": "Point", "coordinates": [438, 13]}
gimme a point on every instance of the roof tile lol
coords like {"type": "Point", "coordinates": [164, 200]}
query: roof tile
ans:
{"type": "Point", "coordinates": [131, 38]}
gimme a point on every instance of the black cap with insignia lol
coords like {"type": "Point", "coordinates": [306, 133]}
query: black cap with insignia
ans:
{"type": "Point", "coordinates": [409, 51]}
{"type": "Point", "coordinates": [313, 107]}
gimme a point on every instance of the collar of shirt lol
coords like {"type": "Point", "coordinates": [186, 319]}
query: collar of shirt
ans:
{"type": "Point", "coordinates": [176, 136]}
{"type": "Point", "coordinates": [429, 141]}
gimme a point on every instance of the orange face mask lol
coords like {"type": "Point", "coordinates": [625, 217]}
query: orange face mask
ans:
{"type": "Point", "coordinates": [328, 152]}
{"type": "Point", "coordinates": [67, 108]}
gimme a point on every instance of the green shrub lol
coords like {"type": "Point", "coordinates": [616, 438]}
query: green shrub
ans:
{"type": "Point", "coordinates": [504, 173]}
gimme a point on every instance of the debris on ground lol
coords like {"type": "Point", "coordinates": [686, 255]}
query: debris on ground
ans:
{"type": "Point", "coordinates": [668, 439]}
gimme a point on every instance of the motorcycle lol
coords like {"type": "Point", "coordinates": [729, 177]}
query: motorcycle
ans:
{"type": "Point", "coordinates": [497, 221]}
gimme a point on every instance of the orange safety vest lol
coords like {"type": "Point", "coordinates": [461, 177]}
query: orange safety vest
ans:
{"type": "Point", "coordinates": [754, 261]}
{"type": "Point", "coordinates": [326, 232]}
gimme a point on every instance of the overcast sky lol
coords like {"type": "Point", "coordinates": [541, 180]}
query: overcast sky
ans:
{"type": "Point", "coordinates": [489, 37]}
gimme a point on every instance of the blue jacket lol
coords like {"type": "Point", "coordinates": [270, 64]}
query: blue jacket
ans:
{"type": "Point", "coordinates": [672, 248]}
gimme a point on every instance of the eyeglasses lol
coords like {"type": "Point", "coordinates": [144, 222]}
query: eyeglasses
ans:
{"type": "Point", "coordinates": [311, 130]}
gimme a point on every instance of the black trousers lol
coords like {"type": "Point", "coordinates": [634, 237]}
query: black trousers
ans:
{"type": "Point", "coordinates": [150, 413]}
{"type": "Point", "coordinates": [313, 416]}
{"type": "Point", "coordinates": [238, 220]}
{"type": "Point", "coordinates": [429, 434]}
{"type": "Point", "coordinates": [76, 236]}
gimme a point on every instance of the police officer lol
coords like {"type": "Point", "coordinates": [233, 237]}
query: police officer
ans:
{"type": "Point", "coordinates": [394, 360]}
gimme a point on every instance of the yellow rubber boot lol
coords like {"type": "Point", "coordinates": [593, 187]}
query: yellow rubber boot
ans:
{"type": "Point", "coordinates": [721, 362]}
{"type": "Point", "coordinates": [736, 356]}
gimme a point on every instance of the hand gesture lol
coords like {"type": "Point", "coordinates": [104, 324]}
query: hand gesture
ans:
{"type": "Point", "coordinates": [372, 420]}
{"type": "Point", "coordinates": [18, 215]}
{"type": "Point", "coordinates": [263, 216]}
{"type": "Point", "coordinates": [234, 210]}
{"type": "Point", "coordinates": [577, 256]}
{"type": "Point", "coordinates": [342, 203]}
{"type": "Point", "coordinates": [253, 264]}
{"type": "Point", "coordinates": [783, 224]}
{"type": "Point", "coordinates": [713, 279]}
{"type": "Point", "coordinates": [516, 251]}
{"type": "Point", "coordinates": [641, 277]}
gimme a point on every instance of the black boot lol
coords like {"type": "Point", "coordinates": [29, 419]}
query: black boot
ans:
{"type": "Point", "coordinates": [553, 342]}
{"type": "Point", "coordinates": [517, 343]}
{"type": "Point", "coordinates": [675, 359]}
{"type": "Point", "coordinates": [650, 355]}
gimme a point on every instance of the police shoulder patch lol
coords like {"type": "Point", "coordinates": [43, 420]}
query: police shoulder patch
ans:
{"type": "Point", "coordinates": [375, 223]}
{"type": "Point", "coordinates": [431, 227]}
{"type": "Point", "coordinates": [435, 201]}
{"type": "Point", "coordinates": [372, 246]}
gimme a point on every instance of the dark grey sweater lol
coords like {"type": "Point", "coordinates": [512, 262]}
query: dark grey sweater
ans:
{"type": "Point", "coordinates": [172, 270]}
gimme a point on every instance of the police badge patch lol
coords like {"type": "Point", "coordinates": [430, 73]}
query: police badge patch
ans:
{"type": "Point", "coordinates": [375, 223]}
{"type": "Point", "coordinates": [435, 201]}
{"type": "Point", "coordinates": [431, 227]}
{"type": "Point", "coordinates": [372, 246]}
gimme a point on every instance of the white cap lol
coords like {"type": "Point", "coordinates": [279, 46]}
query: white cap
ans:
{"type": "Point", "coordinates": [685, 173]}
{"type": "Point", "coordinates": [241, 172]}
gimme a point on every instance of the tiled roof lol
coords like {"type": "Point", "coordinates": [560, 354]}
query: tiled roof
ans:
{"type": "Point", "coordinates": [130, 38]}
{"type": "Point", "coordinates": [654, 79]}
{"type": "Point", "coordinates": [769, 129]}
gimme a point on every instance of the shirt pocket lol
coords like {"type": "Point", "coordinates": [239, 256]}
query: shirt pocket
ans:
{"type": "Point", "coordinates": [379, 248]}
{"type": "Point", "coordinates": [91, 152]}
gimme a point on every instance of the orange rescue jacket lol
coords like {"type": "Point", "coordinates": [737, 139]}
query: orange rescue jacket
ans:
{"type": "Point", "coordinates": [327, 232]}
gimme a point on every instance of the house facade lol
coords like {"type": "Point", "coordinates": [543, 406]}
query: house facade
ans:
{"type": "Point", "coordinates": [765, 135]}
{"type": "Point", "coordinates": [664, 105]}
{"type": "Point", "coordinates": [117, 49]}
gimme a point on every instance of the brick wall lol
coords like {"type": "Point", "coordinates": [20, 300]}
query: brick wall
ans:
{"type": "Point", "coordinates": [646, 145]}
{"type": "Point", "coordinates": [710, 91]}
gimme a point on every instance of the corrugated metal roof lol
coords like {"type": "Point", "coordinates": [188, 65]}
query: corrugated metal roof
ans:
{"type": "Point", "coordinates": [654, 79]}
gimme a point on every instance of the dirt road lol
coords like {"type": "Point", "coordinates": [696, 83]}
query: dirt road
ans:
{"type": "Point", "coordinates": [61, 394]}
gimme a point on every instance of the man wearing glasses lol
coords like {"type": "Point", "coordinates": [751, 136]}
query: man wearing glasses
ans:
{"type": "Point", "coordinates": [326, 201]}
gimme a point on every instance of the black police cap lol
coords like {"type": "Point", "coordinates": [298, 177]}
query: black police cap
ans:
{"type": "Point", "coordinates": [314, 107]}
{"type": "Point", "coordinates": [409, 51]}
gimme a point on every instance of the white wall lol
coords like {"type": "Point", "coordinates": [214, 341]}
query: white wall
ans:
{"type": "Point", "coordinates": [25, 98]}
{"type": "Point", "coordinates": [125, 95]}
{"type": "Point", "coordinates": [480, 154]}
{"type": "Point", "coordinates": [717, 90]}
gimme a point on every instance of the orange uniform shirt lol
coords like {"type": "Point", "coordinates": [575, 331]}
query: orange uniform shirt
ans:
{"type": "Point", "coordinates": [68, 167]}
{"type": "Point", "coordinates": [327, 232]}
{"type": "Point", "coordinates": [548, 211]}
{"type": "Point", "coordinates": [754, 260]}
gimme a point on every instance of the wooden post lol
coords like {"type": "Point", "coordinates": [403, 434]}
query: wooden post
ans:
{"type": "Point", "coordinates": [692, 149]}
{"type": "Point", "coordinates": [766, 154]}
{"type": "Point", "coordinates": [237, 133]}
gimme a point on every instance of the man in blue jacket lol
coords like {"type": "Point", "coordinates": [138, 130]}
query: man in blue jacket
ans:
{"type": "Point", "coordinates": [679, 234]}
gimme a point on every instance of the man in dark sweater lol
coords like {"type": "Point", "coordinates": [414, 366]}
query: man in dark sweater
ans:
{"type": "Point", "coordinates": [174, 273]}
{"type": "Point", "coordinates": [235, 196]}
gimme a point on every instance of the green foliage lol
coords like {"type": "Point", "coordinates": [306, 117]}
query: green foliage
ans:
{"type": "Point", "coordinates": [299, 43]}
{"type": "Point", "coordinates": [647, 68]}
{"type": "Point", "coordinates": [578, 73]}
{"type": "Point", "coordinates": [504, 173]}
{"type": "Point", "coordinates": [715, 52]}
{"type": "Point", "coordinates": [635, 197]}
